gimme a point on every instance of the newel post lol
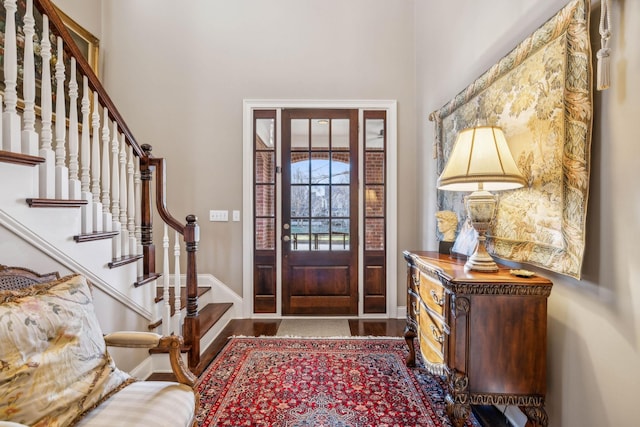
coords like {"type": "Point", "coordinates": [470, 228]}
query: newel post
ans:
{"type": "Point", "coordinates": [191, 329]}
{"type": "Point", "coordinates": [146, 214]}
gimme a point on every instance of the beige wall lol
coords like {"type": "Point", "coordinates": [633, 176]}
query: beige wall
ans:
{"type": "Point", "coordinates": [594, 323]}
{"type": "Point", "coordinates": [179, 76]}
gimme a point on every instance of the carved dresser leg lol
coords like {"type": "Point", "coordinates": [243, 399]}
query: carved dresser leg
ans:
{"type": "Point", "coordinates": [536, 416]}
{"type": "Point", "coordinates": [409, 335]}
{"type": "Point", "coordinates": [457, 412]}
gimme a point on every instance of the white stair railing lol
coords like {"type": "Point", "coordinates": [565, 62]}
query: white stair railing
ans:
{"type": "Point", "coordinates": [115, 193]}
{"type": "Point", "coordinates": [171, 324]}
{"type": "Point", "coordinates": [29, 135]}
{"type": "Point", "coordinates": [10, 118]}
{"type": "Point", "coordinates": [47, 169]}
{"type": "Point", "coordinates": [95, 166]}
{"type": "Point", "coordinates": [87, 159]}
{"type": "Point", "coordinates": [62, 172]}
{"type": "Point", "coordinates": [74, 181]}
{"type": "Point", "coordinates": [177, 326]}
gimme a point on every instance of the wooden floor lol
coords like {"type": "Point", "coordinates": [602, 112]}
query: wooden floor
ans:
{"type": "Point", "coordinates": [488, 416]}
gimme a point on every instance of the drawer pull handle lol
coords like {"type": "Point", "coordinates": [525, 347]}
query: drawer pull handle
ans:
{"type": "Point", "coordinates": [416, 311]}
{"type": "Point", "coordinates": [439, 301]}
{"type": "Point", "coordinates": [439, 338]}
{"type": "Point", "coordinates": [416, 281]}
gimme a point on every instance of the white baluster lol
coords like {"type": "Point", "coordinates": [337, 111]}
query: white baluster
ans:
{"type": "Point", "coordinates": [95, 165]}
{"type": "Point", "coordinates": [85, 161]}
{"type": "Point", "coordinates": [131, 203]}
{"type": "Point", "coordinates": [138, 214]}
{"type": "Point", "coordinates": [10, 117]}
{"type": "Point", "coordinates": [74, 182]}
{"type": "Point", "coordinates": [46, 169]}
{"type": "Point", "coordinates": [106, 173]}
{"type": "Point", "coordinates": [29, 135]}
{"type": "Point", "coordinates": [115, 192]}
{"type": "Point", "coordinates": [62, 172]}
{"type": "Point", "coordinates": [124, 232]}
{"type": "Point", "coordinates": [166, 315]}
{"type": "Point", "coordinates": [177, 286]}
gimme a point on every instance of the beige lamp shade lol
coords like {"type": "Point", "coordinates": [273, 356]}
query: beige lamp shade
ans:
{"type": "Point", "coordinates": [480, 159]}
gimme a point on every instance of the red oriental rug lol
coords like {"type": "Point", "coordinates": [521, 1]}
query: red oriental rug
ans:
{"type": "Point", "coordinates": [319, 383]}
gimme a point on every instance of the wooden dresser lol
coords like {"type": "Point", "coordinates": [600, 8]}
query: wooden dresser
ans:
{"type": "Point", "coordinates": [485, 332]}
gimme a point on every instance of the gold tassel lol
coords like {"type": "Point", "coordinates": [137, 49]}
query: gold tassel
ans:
{"type": "Point", "coordinates": [603, 73]}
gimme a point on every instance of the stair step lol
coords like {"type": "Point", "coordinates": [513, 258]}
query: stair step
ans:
{"type": "Point", "coordinates": [55, 203]}
{"type": "Point", "coordinates": [172, 301]}
{"type": "Point", "coordinates": [209, 316]}
{"type": "Point", "coordinates": [98, 235]}
{"type": "Point", "coordinates": [183, 294]}
{"type": "Point", "coordinates": [142, 280]}
{"type": "Point", "coordinates": [19, 158]}
{"type": "Point", "coordinates": [124, 261]}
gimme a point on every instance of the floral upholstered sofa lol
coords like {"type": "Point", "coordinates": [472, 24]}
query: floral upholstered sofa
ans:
{"type": "Point", "coordinates": [55, 369]}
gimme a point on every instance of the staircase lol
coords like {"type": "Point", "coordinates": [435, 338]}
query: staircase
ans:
{"type": "Point", "coordinates": [80, 194]}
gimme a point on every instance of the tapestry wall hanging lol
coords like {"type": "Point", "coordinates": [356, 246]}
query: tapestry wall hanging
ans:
{"type": "Point", "coordinates": [541, 95]}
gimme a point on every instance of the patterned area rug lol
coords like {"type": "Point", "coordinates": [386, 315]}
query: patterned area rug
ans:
{"type": "Point", "coordinates": [290, 382]}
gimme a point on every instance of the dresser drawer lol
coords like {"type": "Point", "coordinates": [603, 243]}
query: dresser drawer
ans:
{"type": "Point", "coordinates": [432, 293]}
{"type": "Point", "coordinates": [432, 336]}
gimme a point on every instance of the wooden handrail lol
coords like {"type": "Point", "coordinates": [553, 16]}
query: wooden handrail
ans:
{"type": "Point", "coordinates": [46, 8]}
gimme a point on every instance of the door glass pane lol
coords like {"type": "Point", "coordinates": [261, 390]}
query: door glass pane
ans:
{"type": "Point", "coordinates": [300, 168]}
{"type": "Point", "coordinates": [340, 200]}
{"type": "Point", "coordinates": [299, 134]}
{"type": "Point", "coordinates": [265, 130]}
{"type": "Point", "coordinates": [320, 134]}
{"type": "Point", "coordinates": [299, 201]}
{"type": "Point", "coordinates": [374, 200]}
{"type": "Point", "coordinates": [265, 167]}
{"type": "Point", "coordinates": [265, 233]}
{"type": "Point", "coordinates": [340, 238]}
{"type": "Point", "coordinates": [265, 200]}
{"type": "Point", "coordinates": [374, 167]}
{"type": "Point", "coordinates": [319, 201]}
{"type": "Point", "coordinates": [340, 134]}
{"type": "Point", "coordinates": [340, 168]}
{"type": "Point", "coordinates": [320, 234]}
{"type": "Point", "coordinates": [300, 235]}
{"type": "Point", "coordinates": [374, 139]}
{"type": "Point", "coordinates": [320, 168]}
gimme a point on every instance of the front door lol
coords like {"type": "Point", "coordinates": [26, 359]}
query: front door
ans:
{"type": "Point", "coordinates": [319, 212]}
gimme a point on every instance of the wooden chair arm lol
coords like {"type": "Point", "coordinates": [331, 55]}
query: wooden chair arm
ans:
{"type": "Point", "coordinates": [172, 343]}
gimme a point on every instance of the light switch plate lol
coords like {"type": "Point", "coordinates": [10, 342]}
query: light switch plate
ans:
{"type": "Point", "coordinates": [236, 216]}
{"type": "Point", "coordinates": [219, 216]}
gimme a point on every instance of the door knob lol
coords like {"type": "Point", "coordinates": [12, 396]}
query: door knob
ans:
{"type": "Point", "coordinates": [286, 238]}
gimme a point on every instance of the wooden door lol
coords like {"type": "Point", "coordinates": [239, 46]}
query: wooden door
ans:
{"type": "Point", "coordinates": [319, 212]}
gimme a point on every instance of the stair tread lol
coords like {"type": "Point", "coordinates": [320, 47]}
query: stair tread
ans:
{"type": "Point", "coordinates": [183, 294]}
{"type": "Point", "coordinates": [209, 316]}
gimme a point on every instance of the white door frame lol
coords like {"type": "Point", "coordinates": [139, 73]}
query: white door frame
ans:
{"type": "Point", "coordinates": [390, 106]}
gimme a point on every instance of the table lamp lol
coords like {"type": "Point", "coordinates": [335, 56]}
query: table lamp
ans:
{"type": "Point", "coordinates": [480, 162]}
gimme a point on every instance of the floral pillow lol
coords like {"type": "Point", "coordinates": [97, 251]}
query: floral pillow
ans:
{"type": "Point", "coordinates": [53, 359]}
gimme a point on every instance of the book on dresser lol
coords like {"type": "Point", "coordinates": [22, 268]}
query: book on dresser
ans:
{"type": "Point", "coordinates": [485, 332]}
